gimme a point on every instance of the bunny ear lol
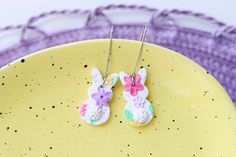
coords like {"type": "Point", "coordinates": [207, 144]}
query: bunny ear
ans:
{"type": "Point", "coordinates": [112, 79]}
{"type": "Point", "coordinates": [122, 77]}
{"type": "Point", "coordinates": [96, 76]}
{"type": "Point", "coordinates": [143, 74]}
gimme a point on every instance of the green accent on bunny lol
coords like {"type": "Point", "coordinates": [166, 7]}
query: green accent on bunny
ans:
{"type": "Point", "coordinates": [150, 108]}
{"type": "Point", "coordinates": [92, 121]}
{"type": "Point", "coordinates": [115, 79]}
{"type": "Point", "coordinates": [128, 115]}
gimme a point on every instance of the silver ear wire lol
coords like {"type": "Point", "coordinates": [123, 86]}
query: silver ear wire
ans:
{"type": "Point", "coordinates": [109, 54]}
{"type": "Point", "coordinates": [141, 38]}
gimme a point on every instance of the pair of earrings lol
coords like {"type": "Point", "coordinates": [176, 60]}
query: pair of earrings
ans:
{"type": "Point", "coordinates": [138, 110]}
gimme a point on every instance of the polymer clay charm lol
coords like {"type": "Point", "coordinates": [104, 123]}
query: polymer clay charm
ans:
{"type": "Point", "coordinates": [95, 110]}
{"type": "Point", "coordinates": [138, 110]}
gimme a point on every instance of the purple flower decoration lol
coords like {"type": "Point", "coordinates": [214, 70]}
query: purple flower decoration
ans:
{"type": "Point", "coordinates": [102, 97]}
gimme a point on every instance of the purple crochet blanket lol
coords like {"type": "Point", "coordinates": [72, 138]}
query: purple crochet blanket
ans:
{"type": "Point", "coordinates": [215, 51]}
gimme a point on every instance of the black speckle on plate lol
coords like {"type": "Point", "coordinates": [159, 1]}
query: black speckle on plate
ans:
{"type": "Point", "coordinates": [22, 60]}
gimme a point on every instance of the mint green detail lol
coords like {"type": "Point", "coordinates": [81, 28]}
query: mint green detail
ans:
{"type": "Point", "coordinates": [150, 108]}
{"type": "Point", "coordinates": [115, 80]}
{"type": "Point", "coordinates": [92, 121]}
{"type": "Point", "coordinates": [128, 115]}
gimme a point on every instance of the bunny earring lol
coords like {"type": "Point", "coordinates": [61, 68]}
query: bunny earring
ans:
{"type": "Point", "coordinates": [95, 110]}
{"type": "Point", "coordinates": [138, 110]}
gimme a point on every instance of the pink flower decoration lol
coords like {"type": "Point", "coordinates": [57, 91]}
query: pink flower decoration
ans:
{"type": "Point", "coordinates": [83, 109]}
{"type": "Point", "coordinates": [133, 86]}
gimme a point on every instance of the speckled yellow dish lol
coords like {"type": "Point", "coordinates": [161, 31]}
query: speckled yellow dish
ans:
{"type": "Point", "coordinates": [40, 97]}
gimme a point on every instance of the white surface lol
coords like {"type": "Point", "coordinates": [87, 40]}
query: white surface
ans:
{"type": "Point", "coordinates": [14, 12]}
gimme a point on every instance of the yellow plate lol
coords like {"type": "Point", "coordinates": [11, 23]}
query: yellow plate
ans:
{"type": "Point", "coordinates": [40, 97]}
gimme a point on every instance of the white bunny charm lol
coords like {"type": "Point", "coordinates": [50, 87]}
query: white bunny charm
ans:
{"type": "Point", "coordinates": [138, 109]}
{"type": "Point", "coordinates": [95, 109]}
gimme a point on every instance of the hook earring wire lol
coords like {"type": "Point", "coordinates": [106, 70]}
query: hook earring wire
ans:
{"type": "Point", "coordinates": [141, 38]}
{"type": "Point", "coordinates": [109, 54]}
